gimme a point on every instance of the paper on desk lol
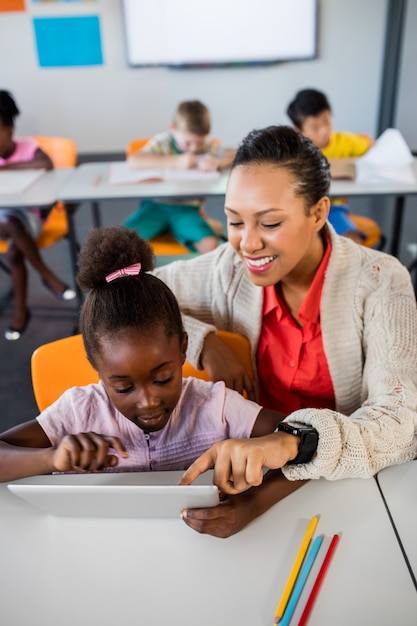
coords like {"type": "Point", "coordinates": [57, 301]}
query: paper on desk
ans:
{"type": "Point", "coordinates": [389, 159]}
{"type": "Point", "coordinates": [121, 174]}
{"type": "Point", "coordinates": [17, 181]}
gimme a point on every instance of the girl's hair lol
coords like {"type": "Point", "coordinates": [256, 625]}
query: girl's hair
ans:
{"type": "Point", "coordinates": [307, 103]}
{"type": "Point", "coordinates": [284, 147]}
{"type": "Point", "coordinates": [136, 302]}
{"type": "Point", "coordinates": [8, 109]}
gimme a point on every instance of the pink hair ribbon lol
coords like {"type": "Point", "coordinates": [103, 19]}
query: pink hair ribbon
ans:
{"type": "Point", "coordinates": [131, 270]}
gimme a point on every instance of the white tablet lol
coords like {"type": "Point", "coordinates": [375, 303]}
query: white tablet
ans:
{"type": "Point", "coordinates": [130, 494]}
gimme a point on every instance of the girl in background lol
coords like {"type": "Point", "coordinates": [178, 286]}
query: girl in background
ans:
{"type": "Point", "coordinates": [19, 227]}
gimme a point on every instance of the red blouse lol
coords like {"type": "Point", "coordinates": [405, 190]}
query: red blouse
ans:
{"type": "Point", "coordinates": [291, 362]}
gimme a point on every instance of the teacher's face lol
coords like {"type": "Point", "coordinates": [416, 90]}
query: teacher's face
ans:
{"type": "Point", "coordinates": [268, 225]}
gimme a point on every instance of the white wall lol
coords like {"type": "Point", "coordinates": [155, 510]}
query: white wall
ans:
{"type": "Point", "coordinates": [103, 107]}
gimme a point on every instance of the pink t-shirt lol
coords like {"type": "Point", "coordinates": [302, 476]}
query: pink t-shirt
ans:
{"type": "Point", "coordinates": [206, 412]}
{"type": "Point", "coordinates": [25, 151]}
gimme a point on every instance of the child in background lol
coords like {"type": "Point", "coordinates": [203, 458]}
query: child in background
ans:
{"type": "Point", "coordinates": [310, 113]}
{"type": "Point", "coordinates": [185, 145]}
{"type": "Point", "coordinates": [21, 227]}
{"type": "Point", "coordinates": [142, 415]}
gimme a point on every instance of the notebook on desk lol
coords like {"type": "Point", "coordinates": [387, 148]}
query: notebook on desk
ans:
{"type": "Point", "coordinates": [121, 174]}
{"type": "Point", "coordinates": [130, 494]}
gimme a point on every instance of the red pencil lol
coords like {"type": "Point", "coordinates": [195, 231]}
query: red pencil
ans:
{"type": "Point", "coordinates": [320, 576]}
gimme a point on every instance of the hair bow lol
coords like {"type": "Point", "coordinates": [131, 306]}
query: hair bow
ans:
{"type": "Point", "coordinates": [131, 270]}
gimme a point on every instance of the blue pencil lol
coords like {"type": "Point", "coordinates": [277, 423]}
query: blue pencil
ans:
{"type": "Point", "coordinates": [298, 587]}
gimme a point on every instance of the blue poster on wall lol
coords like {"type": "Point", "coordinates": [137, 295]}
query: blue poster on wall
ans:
{"type": "Point", "coordinates": [68, 41]}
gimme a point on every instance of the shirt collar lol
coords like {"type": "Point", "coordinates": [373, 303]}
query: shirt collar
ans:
{"type": "Point", "coordinates": [310, 308]}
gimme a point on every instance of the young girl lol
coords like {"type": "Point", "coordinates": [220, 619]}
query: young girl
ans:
{"type": "Point", "coordinates": [21, 228]}
{"type": "Point", "coordinates": [141, 415]}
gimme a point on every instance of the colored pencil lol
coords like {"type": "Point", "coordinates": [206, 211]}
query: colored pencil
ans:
{"type": "Point", "coordinates": [295, 569]}
{"type": "Point", "coordinates": [298, 587]}
{"type": "Point", "coordinates": [319, 580]}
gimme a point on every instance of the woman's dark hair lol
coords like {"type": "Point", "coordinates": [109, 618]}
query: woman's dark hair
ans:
{"type": "Point", "coordinates": [8, 109]}
{"type": "Point", "coordinates": [140, 301]}
{"type": "Point", "coordinates": [284, 147]}
{"type": "Point", "coordinates": [307, 103]}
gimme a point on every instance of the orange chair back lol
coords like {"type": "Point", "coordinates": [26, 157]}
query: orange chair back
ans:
{"type": "Point", "coordinates": [61, 150]}
{"type": "Point", "coordinates": [61, 364]}
{"type": "Point", "coordinates": [135, 145]}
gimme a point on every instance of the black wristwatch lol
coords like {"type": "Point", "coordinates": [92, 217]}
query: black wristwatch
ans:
{"type": "Point", "coordinates": [309, 439]}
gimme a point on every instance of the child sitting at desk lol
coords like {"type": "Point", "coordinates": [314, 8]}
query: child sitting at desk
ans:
{"type": "Point", "coordinates": [311, 114]}
{"type": "Point", "coordinates": [185, 145]}
{"type": "Point", "coordinates": [21, 227]}
{"type": "Point", "coordinates": [142, 415]}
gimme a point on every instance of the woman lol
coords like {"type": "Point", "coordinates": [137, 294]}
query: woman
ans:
{"type": "Point", "coordinates": [332, 324]}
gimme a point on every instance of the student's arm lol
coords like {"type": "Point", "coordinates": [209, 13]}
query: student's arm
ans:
{"type": "Point", "coordinates": [147, 160]}
{"type": "Point", "coordinates": [237, 511]}
{"type": "Point", "coordinates": [40, 161]}
{"type": "Point", "coordinates": [212, 163]}
{"type": "Point", "coordinates": [221, 363]}
{"type": "Point", "coordinates": [26, 451]}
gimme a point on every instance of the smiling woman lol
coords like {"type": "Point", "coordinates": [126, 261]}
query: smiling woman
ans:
{"type": "Point", "coordinates": [332, 324]}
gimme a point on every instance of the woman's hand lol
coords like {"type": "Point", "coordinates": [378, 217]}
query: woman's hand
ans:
{"type": "Point", "coordinates": [87, 452]}
{"type": "Point", "coordinates": [239, 463]}
{"type": "Point", "coordinates": [221, 363]}
{"type": "Point", "coordinates": [236, 511]}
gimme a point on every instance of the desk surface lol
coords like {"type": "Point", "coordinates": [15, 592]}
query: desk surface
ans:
{"type": "Point", "coordinates": [153, 572]}
{"type": "Point", "coordinates": [42, 193]}
{"type": "Point", "coordinates": [399, 487]}
{"type": "Point", "coordinates": [89, 181]}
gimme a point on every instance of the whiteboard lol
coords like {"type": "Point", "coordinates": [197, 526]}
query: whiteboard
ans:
{"type": "Point", "coordinates": [181, 33]}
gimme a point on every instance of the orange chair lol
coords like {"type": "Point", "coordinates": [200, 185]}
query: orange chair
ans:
{"type": "Point", "coordinates": [63, 153]}
{"type": "Point", "coordinates": [61, 364]}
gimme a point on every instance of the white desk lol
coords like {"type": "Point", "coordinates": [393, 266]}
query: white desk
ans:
{"type": "Point", "coordinates": [58, 571]}
{"type": "Point", "coordinates": [398, 485]}
{"type": "Point", "coordinates": [89, 182]}
{"type": "Point", "coordinates": [42, 193]}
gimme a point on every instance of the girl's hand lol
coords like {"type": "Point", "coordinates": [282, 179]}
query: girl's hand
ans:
{"type": "Point", "coordinates": [87, 452]}
{"type": "Point", "coordinates": [222, 521]}
{"type": "Point", "coordinates": [236, 511]}
{"type": "Point", "coordinates": [221, 363]}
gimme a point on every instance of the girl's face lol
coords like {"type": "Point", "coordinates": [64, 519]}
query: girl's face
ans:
{"type": "Point", "coordinates": [268, 226]}
{"type": "Point", "coordinates": [142, 374]}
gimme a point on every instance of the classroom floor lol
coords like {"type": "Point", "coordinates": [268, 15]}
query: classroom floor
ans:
{"type": "Point", "coordinates": [52, 319]}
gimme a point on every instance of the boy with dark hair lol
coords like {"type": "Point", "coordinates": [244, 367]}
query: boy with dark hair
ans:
{"type": "Point", "coordinates": [310, 113]}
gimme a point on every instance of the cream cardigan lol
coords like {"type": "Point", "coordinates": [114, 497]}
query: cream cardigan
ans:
{"type": "Point", "coordinates": [369, 328]}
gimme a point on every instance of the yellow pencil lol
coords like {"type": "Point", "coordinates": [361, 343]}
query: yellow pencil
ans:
{"type": "Point", "coordinates": [295, 569]}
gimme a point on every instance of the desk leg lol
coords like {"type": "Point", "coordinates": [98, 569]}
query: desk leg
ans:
{"type": "Point", "coordinates": [397, 225]}
{"type": "Point", "coordinates": [95, 213]}
{"type": "Point", "coordinates": [70, 209]}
